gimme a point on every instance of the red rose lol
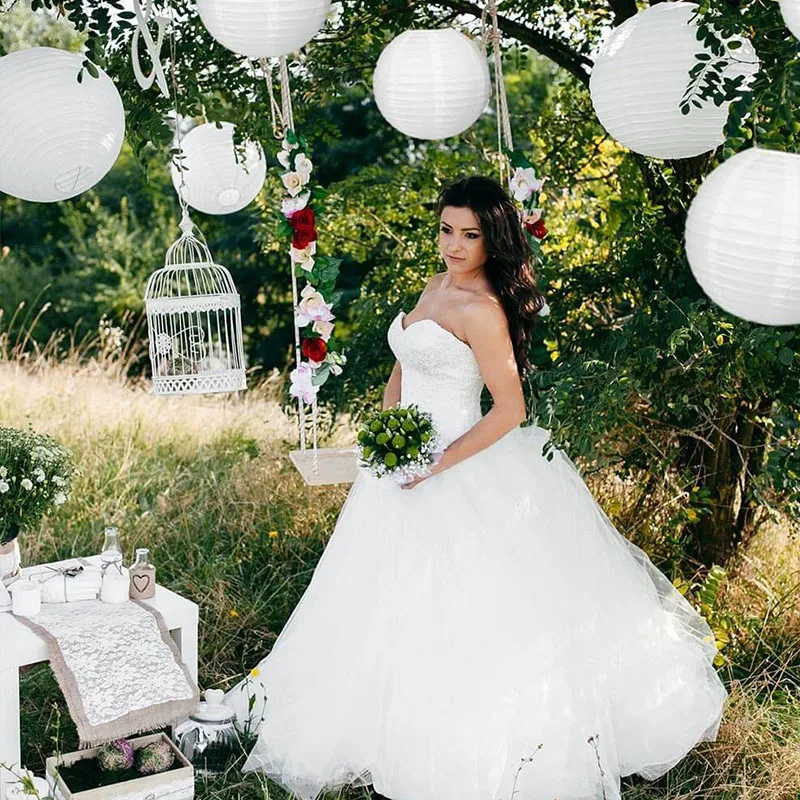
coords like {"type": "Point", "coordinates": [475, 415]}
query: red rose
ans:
{"type": "Point", "coordinates": [303, 224]}
{"type": "Point", "coordinates": [314, 349]}
{"type": "Point", "coordinates": [538, 229]}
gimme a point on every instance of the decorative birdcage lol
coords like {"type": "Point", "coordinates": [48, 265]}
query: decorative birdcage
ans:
{"type": "Point", "coordinates": [194, 321]}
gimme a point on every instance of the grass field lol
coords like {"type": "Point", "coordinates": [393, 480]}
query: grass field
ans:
{"type": "Point", "coordinates": [206, 484]}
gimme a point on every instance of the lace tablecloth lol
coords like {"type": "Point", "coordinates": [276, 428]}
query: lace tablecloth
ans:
{"type": "Point", "coordinates": [118, 667]}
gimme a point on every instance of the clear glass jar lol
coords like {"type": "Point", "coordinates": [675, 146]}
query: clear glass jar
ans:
{"type": "Point", "coordinates": [111, 554]}
{"type": "Point", "coordinates": [143, 576]}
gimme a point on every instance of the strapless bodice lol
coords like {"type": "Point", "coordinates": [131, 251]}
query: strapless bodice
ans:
{"type": "Point", "coordinates": [439, 373]}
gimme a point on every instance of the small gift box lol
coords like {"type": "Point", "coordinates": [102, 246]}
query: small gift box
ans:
{"type": "Point", "coordinates": [176, 783]}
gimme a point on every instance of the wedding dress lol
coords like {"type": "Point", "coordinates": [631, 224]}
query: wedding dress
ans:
{"type": "Point", "coordinates": [488, 615]}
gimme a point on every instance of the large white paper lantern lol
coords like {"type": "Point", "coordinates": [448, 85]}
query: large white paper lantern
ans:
{"type": "Point", "coordinates": [214, 181]}
{"type": "Point", "coordinates": [640, 76]}
{"type": "Point", "coordinates": [743, 236]}
{"type": "Point", "coordinates": [432, 84]}
{"type": "Point", "coordinates": [791, 15]}
{"type": "Point", "coordinates": [58, 137]}
{"type": "Point", "coordinates": [263, 28]}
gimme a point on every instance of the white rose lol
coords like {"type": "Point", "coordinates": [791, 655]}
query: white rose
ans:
{"type": "Point", "coordinates": [294, 182]}
{"type": "Point", "coordinates": [4, 487]}
{"type": "Point", "coordinates": [26, 484]}
{"type": "Point", "coordinates": [302, 164]}
{"type": "Point", "coordinates": [3, 472]}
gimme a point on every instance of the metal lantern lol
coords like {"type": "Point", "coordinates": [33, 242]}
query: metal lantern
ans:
{"type": "Point", "coordinates": [742, 237]}
{"type": "Point", "coordinates": [640, 76]}
{"type": "Point", "coordinates": [194, 321]}
{"type": "Point", "coordinates": [432, 84]}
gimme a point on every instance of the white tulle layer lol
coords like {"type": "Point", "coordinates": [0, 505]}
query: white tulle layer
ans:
{"type": "Point", "coordinates": [490, 614]}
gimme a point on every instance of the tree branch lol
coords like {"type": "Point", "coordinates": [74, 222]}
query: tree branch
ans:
{"type": "Point", "coordinates": [558, 52]}
{"type": "Point", "coordinates": [623, 9]}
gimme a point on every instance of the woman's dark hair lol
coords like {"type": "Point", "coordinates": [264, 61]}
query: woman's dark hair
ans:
{"type": "Point", "coordinates": [508, 266]}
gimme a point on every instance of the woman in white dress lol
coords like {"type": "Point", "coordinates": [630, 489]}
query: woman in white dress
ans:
{"type": "Point", "coordinates": [484, 631]}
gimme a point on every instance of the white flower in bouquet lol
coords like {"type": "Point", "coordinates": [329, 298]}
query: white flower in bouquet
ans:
{"type": "Point", "coordinates": [294, 182]}
{"type": "Point", "coordinates": [26, 494]}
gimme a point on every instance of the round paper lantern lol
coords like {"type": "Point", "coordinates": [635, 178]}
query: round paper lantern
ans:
{"type": "Point", "coordinates": [791, 15]}
{"type": "Point", "coordinates": [641, 74]}
{"type": "Point", "coordinates": [58, 137]}
{"type": "Point", "coordinates": [431, 84]}
{"type": "Point", "coordinates": [214, 181]}
{"type": "Point", "coordinates": [743, 238]}
{"type": "Point", "coordinates": [263, 28]}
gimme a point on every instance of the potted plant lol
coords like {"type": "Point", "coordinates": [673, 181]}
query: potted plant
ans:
{"type": "Point", "coordinates": [124, 768]}
{"type": "Point", "coordinates": [35, 476]}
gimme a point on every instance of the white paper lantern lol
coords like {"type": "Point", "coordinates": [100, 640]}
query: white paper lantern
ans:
{"type": "Point", "coordinates": [58, 137]}
{"type": "Point", "coordinates": [791, 15]}
{"type": "Point", "coordinates": [743, 236]}
{"type": "Point", "coordinates": [214, 181]}
{"type": "Point", "coordinates": [263, 28]}
{"type": "Point", "coordinates": [641, 74]}
{"type": "Point", "coordinates": [431, 84]}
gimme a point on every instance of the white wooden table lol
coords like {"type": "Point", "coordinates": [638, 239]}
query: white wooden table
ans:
{"type": "Point", "coordinates": [20, 646]}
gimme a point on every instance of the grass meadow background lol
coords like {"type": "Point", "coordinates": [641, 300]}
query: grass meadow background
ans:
{"type": "Point", "coordinates": [207, 485]}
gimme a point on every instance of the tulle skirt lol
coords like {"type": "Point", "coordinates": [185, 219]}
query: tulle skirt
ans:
{"type": "Point", "coordinates": [486, 632]}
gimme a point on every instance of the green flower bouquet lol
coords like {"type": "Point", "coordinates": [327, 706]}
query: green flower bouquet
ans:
{"type": "Point", "coordinates": [35, 476]}
{"type": "Point", "coordinates": [400, 442]}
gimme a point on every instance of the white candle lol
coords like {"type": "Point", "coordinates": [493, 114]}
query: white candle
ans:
{"type": "Point", "coordinates": [26, 598]}
{"type": "Point", "coordinates": [115, 587]}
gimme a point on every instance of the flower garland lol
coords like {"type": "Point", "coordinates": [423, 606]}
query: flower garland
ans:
{"type": "Point", "coordinates": [313, 313]}
{"type": "Point", "coordinates": [525, 187]}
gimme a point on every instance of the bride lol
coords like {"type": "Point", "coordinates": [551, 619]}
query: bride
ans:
{"type": "Point", "coordinates": [484, 631]}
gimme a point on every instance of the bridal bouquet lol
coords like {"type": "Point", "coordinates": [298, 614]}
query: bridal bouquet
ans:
{"type": "Point", "coordinates": [400, 442]}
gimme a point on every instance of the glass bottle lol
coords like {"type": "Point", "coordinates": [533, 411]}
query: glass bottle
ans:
{"type": "Point", "coordinates": [143, 576]}
{"type": "Point", "coordinates": [111, 554]}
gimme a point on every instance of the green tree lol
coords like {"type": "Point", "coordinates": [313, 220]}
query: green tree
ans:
{"type": "Point", "coordinates": [637, 368]}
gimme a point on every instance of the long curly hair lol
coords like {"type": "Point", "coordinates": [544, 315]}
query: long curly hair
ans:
{"type": "Point", "coordinates": [509, 266]}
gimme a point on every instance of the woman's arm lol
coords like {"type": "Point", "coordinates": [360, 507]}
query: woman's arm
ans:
{"type": "Point", "coordinates": [391, 394]}
{"type": "Point", "coordinates": [486, 332]}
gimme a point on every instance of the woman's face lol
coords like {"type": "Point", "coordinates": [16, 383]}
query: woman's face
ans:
{"type": "Point", "coordinates": [461, 242]}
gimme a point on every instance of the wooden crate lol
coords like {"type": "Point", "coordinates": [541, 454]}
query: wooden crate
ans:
{"type": "Point", "coordinates": [175, 784]}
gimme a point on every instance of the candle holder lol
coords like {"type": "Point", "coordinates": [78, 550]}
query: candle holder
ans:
{"type": "Point", "coordinates": [26, 598]}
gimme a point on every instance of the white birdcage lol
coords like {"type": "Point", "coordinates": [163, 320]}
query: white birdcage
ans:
{"type": "Point", "coordinates": [194, 321]}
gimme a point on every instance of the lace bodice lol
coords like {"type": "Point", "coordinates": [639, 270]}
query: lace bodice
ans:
{"type": "Point", "coordinates": [439, 373]}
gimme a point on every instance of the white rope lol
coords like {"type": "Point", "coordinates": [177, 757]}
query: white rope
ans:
{"type": "Point", "coordinates": [282, 118]}
{"type": "Point", "coordinates": [501, 102]}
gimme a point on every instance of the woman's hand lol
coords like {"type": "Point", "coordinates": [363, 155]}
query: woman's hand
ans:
{"type": "Point", "coordinates": [413, 483]}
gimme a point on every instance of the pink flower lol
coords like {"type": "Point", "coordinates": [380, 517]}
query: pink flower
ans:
{"type": "Point", "coordinates": [291, 204]}
{"type": "Point", "coordinates": [524, 183]}
{"type": "Point", "coordinates": [301, 385]}
{"type": "Point", "coordinates": [323, 328]}
{"type": "Point", "coordinates": [312, 307]}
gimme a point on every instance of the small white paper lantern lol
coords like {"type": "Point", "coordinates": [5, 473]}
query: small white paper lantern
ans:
{"type": "Point", "coordinates": [194, 321]}
{"type": "Point", "coordinates": [432, 84]}
{"type": "Point", "coordinates": [263, 28]}
{"type": "Point", "coordinates": [743, 236]}
{"type": "Point", "coordinates": [58, 137]}
{"type": "Point", "coordinates": [791, 15]}
{"type": "Point", "coordinates": [214, 181]}
{"type": "Point", "coordinates": [640, 76]}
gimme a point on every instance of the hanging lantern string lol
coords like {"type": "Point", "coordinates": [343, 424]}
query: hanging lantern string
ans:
{"type": "Point", "coordinates": [501, 103]}
{"type": "Point", "coordinates": [282, 118]}
{"type": "Point", "coordinates": [186, 223]}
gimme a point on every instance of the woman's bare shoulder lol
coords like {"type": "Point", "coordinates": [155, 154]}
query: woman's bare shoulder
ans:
{"type": "Point", "coordinates": [484, 309]}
